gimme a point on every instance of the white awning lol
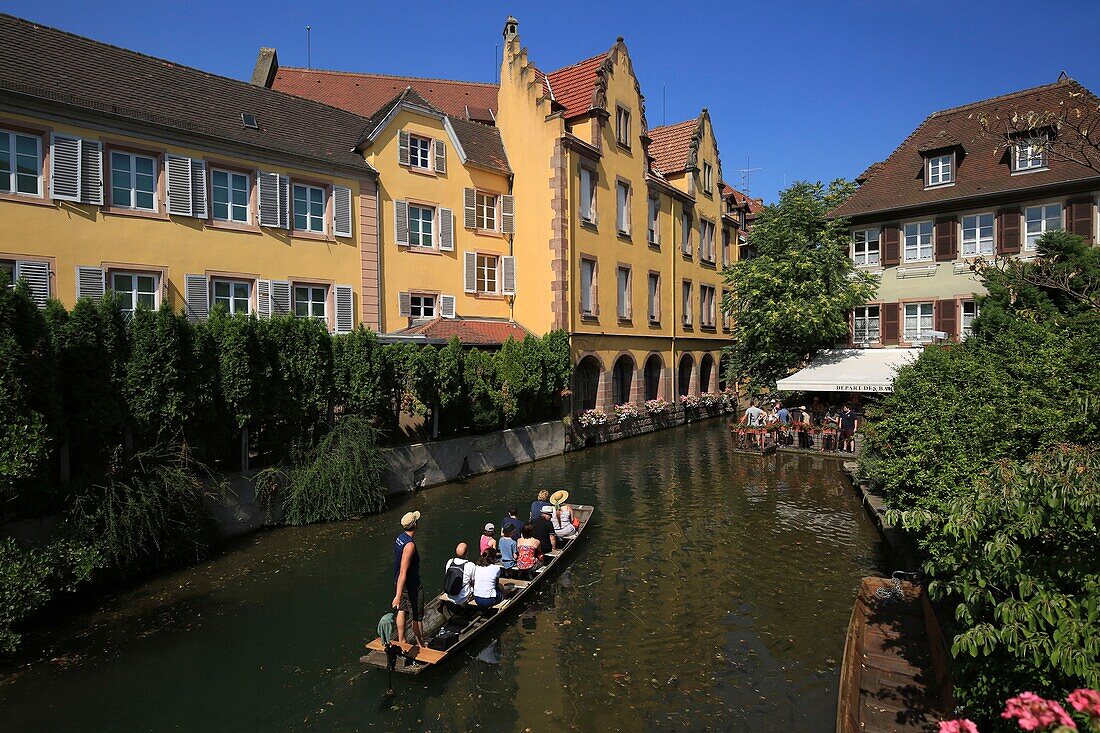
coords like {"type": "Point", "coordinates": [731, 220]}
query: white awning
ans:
{"type": "Point", "coordinates": [850, 370]}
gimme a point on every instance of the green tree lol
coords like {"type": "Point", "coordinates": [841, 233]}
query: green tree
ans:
{"type": "Point", "coordinates": [795, 295]}
{"type": "Point", "coordinates": [158, 386]}
{"type": "Point", "coordinates": [358, 375]}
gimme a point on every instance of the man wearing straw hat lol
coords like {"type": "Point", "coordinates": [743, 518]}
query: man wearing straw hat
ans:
{"type": "Point", "coordinates": [408, 597]}
{"type": "Point", "coordinates": [562, 518]}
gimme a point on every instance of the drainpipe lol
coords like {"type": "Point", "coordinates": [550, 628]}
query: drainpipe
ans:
{"type": "Point", "coordinates": [674, 367]}
{"type": "Point", "coordinates": [381, 281]}
{"type": "Point", "coordinates": [512, 245]}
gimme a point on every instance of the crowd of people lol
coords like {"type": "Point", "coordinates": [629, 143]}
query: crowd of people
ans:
{"type": "Point", "coordinates": [817, 427]}
{"type": "Point", "coordinates": [518, 551]}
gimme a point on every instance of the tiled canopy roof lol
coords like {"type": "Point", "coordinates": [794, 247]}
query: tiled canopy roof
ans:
{"type": "Point", "coordinates": [755, 206]}
{"type": "Point", "coordinates": [471, 332]}
{"type": "Point", "coordinates": [48, 65]}
{"type": "Point", "coordinates": [982, 166]}
{"type": "Point", "coordinates": [670, 146]}
{"type": "Point", "coordinates": [364, 94]}
{"type": "Point", "coordinates": [573, 86]}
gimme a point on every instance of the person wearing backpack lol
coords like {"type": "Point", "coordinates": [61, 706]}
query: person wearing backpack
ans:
{"type": "Point", "coordinates": [458, 577]}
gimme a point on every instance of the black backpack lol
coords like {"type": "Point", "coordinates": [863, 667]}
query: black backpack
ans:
{"type": "Point", "coordinates": [453, 580]}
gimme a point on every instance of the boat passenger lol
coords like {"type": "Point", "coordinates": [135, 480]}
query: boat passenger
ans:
{"type": "Point", "coordinates": [544, 529]}
{"type": "Point", "coordinates": [508, 549]}
{"type": "Point", "coordinates": [459, 571]}
{"type": "Point", "coordinates": [487, 589]}
{"type": "Point", "coordinates": [487, 539]}
{"type": "Point", "coordinates": [511, 525]}
{"type": "Point", "coordinates": [536, 506]}
{"type": "Point", "coordinates": [408, 595]}
{"type": "Point", "coordinates": [528, 552]}
{"type": "Point", "coordinates": [562, 518]}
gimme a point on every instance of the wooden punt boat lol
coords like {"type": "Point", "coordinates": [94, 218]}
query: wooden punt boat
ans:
{"type": "Point", "coordinates": [470, 621]}
{"type": "Point", "coordinates": [894, 676]}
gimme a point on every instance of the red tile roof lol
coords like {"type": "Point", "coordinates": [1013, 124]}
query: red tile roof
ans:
{"type": "Point", "coordinates": [471, 332]}
{"type": "Point", "coordinates": [670, 146]}
{"type": "Point", "coordinates": [982, 166]}
{"type": "Point", "coordinates": [573, 86]}
{"type": "Point", "coordinates": [755, 206]}
{"type": "Point", "coordinates": [364, 94]}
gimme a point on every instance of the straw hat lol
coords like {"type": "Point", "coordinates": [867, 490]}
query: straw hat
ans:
{"type": "Point", "coordinates": [559, 497]}
{"type": "Point", "coordinates": [409, 519]}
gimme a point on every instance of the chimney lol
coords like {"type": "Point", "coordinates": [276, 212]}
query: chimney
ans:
{"type": "Point", "coordinates": [267, 63]}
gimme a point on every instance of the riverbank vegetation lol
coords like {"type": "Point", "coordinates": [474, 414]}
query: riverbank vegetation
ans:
{"type": "Point", "coordinates": [986, 451]}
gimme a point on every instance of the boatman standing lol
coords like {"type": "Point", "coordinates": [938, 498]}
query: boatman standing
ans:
{"type": "Point", "coordinates": [408, 595]}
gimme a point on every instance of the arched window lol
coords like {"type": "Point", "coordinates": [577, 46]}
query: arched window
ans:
{"type": "Point", "coordinates": [683, 380]}
{"type": "Point", "coordinates": [652, 376]}
{"type": "Point", "coordinates": [586, 383]}
{"type": "Point", "coordinates": [706, 367]}
{"type": "Point", "coordinates": [622, 377]}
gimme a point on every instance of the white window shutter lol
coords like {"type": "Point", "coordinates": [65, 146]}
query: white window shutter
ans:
{"type": "Point", "coordinates": [37, 275]}
{"type": "Point", "coordinates": [404, 305]}
{"type": "Point", "coordinates": [178, 172]}
{"type": "Point", "coordinates": [401, 222]}
{"type": "Point", "coordinates": [345, 309]}
{"type": "Point", "coordinates": [402, 147]}
{"type": "Point", "coordinates": [440, 156]}
{"type": "Point", "coordinates": [91, 172]}
{"type": "Point", "coordinates": [469, 205]}
{"type": "Point", "coordinates": [65, 168]}
{"type": "Point", "coordinates": [198, 188]}
{"type": "Point", "coordinates": [263, 298]}
{"type": "Point", "coordinates": [507, 214]}
{"type": "Point", "coordinates": [446, 230]}
{"type": "Point", "coordinates": [197, 294]}
{"type": "Point", "coordinates": [508, 275]}
{"type": "Point", "coordinates": [90, 283]}
{"type": "Point", "coordinates": [280, 297]}
{"type": "Point", "coordinates": [471, 272]}
{"type": "Point", "coordinates": [447, 306]}
{"type": "Point", "coordinates": [341, 211]}
{"type": "Point", "coordinates": [269, 199]}
{"type": "Point", "coordinates": [284, 202]}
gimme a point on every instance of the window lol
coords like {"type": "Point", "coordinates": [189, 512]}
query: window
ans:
{"type": "Point", "coordinates": [622, 126]}
{"type": "Point", "coordinates": [706, 247]}
{"type": "Point", "coordinates": [133, 181]}
{"type": "Point", "coordinates": [654, 297]}
{"type": "Point", "coordinates": [865, 247]}
{"type": "Point", "coordinates": [707, 315]}
{"type": "Point", "coordinates": [309, 301]}
{"type": "Point", "coordinates": [230, 195]}
{"type": "Point", "coordinates": [918, 322]}
{"type": "Point", "coordinates": [726, 319]}
{"type": "Point", "coordinates": [725, 246]}
{"type": "Point", "coordinates": [622, 283]}
{"type": "Point", "coordinates": [708, 178]}
{"type": "Point", "coordinates": [419, 152]}
{"type": "Point", "coordinates": [1029, 155]}
{"type": "Point", "coordinates": [135, 289]}
{"type": "Point", "coordinates": [234, 295]}
{"type": "Point", "coordinates": [7, 272]}
{"type": "Point", "coordinates": [309, 208]}
{"type": "Point", "coordinates": [653, 230]}
{"type": "Point", "coordinates": [970, 311]}
{"type": "Point", "coordinates": [918, 241]}
{"type": "Point", "coordinates": [486, 211]}
{"type": "Point", "coordinates": [622, 219]}
{"type": "Point", "coordinates": [588, 284]}
{"type": "Point", "coordinates": [421, 221]}
{"type": "Point", "coordinates": [685, 233]}
{"type": "Point", "coordinates": [977, 235]}
{"type": "Point", "coordinates": [865, 325]}
{"type": "Point", "coordinates": [588, 196]}
{"type": "Point", "coordinates": [1039, 220]}
{"type": "Point", "coordinates": [686, 305]}
{"type": "Point", "coordinates": [487, 268]}
{"type": "Point", "coordinates": [422, 306]}
{"type": "Point", "coordinates": [940, 170]}
{"type": "Point", "coordinates": [20, 163]}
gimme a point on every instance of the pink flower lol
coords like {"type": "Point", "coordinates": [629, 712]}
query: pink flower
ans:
{"type": "Point", "coordinates": [1036, 713]}
{"type": "Point", "coordinates": [1085, 701]}
{"type": "Point", "coordinates": [958, 726]}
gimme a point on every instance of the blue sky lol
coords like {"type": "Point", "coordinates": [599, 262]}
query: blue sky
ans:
{"type": "Point", "coordinates": [805, 90]}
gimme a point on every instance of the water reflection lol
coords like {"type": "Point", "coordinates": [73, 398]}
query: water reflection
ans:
{"type": "Point", "coordinates": [712, 592]}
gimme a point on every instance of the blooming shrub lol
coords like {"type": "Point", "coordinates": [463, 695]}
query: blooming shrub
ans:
{"type": "Point", "coordinates": [588, 418]}
{"type": "Point", "coordinates": [657, 406]}
{"type": "Point", "coordinates": [690, 400]}
{"type": "Point", "coordinates": [713, 399]}
{"type": "Point", "coordinates": [1034, 713]}
{"type": "Point", "coordinates": [626, 411]}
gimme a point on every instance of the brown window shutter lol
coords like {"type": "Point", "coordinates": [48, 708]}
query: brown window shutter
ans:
{"type": "Point", "coordinates": [890, 324]}
{"type": "Point", "coordinates": [1008, 231]}
{"type": "Point", "coordinates": [891, 245]}
{"type": "Point", "coordinates": [946, 318]}
{"type": "Point", "coordinates": [1079, 217]}
{"type": "Point", "coordinates": [945, 239]}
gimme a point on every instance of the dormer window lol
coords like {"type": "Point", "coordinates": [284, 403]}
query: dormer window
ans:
{"type": "Point", "coordinates": [941, 170]}
{"type": "Point", "coordinates": [622, 126]}
{"type": "Point", "coordinates": [1029, 155]}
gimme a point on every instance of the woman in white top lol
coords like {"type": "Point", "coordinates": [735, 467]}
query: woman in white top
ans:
{"type": "Point", "coordinates": [487, 590]}
{"type": "Point", "coordinates": [562, 518]}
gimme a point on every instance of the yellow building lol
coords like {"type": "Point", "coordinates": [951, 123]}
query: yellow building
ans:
{"type": "Point", "coordinates": [168, 184]}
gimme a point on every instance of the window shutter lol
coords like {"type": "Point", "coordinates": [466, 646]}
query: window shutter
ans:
{"type": "Point", "coordinates": [946, 317]}
{"type": "Point", "coordinates": [37, 275]}
{"type": "Point", "coordinates": [1079, 216]}
{"type": "Point", "coordinates": [402, 147]}
{"type": "Point", "coordinates": [345, 309]}
{"type": "Point", "coordinates": [197, 294]}
{"type": "Point", "coordinates": [702, 240]}
{"type": "Point", "coordinates": [946, 247]}
{"type": "Point", "coordinates": [446, 230]}
{"type": "Point", "coordinates": [440, 156]}
{"type": "Point", "coordinates": [447, 306]}
{"type": "Point", "coordinates": [1008, 231]}
{"type": "Point", "coordinates": [404, 305]}
{"type": "Point", "coordinates": [401, 221]}
{"type": "Point", "coordinates": [469, 204]}
{"type": "Point", "coordinates": [91, 172]}
{"type": "Point", "coordinates": [341, 211]}
{"type": "Point", "coordinates": [178, 172]}
{"type": "Point", "coordinates": [280, 297]}
{"type": "Point", "coordinates": [90, 283]}
{"type": "Point", "coordinates": [198, 188]}
{"type": "Point", "coordinates": [890, 323]}
{"type": "Point", "coordinates": [269, 199]}
{"type": "Point", "coordinates": [65, 168]}
{"type": "Point", "coordinates": [263, 298]}
{"type": "Point", "coordinates": [508, 275]}
{"type": "Point", "coordinates": [284, 202]}
{"type": "Point", "coordinates": [471, 272]}
{"type": "Point", "coordinates": [891, 245]}
{"type": "Point", "coordinates": [507, 214]}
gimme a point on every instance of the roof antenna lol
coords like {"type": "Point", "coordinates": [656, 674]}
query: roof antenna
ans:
{"type": "Point", "coordinates": [664, 107]}
{"type": "Point", "coordinates": [309, 47]}
{"type": "Point", "coordinates": [1063, 75]}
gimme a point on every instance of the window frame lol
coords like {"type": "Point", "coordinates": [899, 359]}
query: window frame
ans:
{"type": "Point", "coordinates": [479, 220]}
{"type": "Point", "coordinates": [966, 330]}
{"type": "Point", "coordinates": [866, 317]}
{"type": "Point", "coordinates": [587, 217]}
{"type": "Point", "coordinates": [13, 161]}
{"type": "Point", "coordinates": [867, 251]}
{"type": "Point", "coordinates": [653, 219]}
{"type": "Point", "coordinates": [214, 171]}
{"type": "Point", "coordinates": [687, 296]}
{"type": "Point", "coordinates": [624, 292]}
{"type": "Point", "coordinates": [727, 317]}
{"type": "Point", "coordinates": [708, 315]}
{"type": "Point", "coordinates": [1042, 219]}
{"type": "Point", "coordinates": [1029, 144]}
{"type": "Point", "coordinates": [919, 247]}
{"type": "Point", "coordinates": [414, 157]}
{"type": "Point", "coordinates": [622, 126]}
{"type": "Point", "coordinates": [112, 273]}
{"type": "Point", "coordinates": [623, 209]}
{"type": "Point", "coordinates": [497, 272]}
{"type": "Point", "coordinates": [653, 297]}
{"type": "Point", "coordinates": [232, 281]}
{"type": "Point", "coordinates": [977, 241]}
{"type": "Point", "coordinates": [687, 224]}
{"type": "Point", "coordinates": [424, 297]}
{"type": "Point", "coordinates": [433, 234]}
{"type": "Point", "coordinates": [929, 167]}
{"type": "Point", "coordinates": [708, 178]}
{"type": "Point", "coordinates": [906, 333]}
{"type": "Point", "coordinates": [325, 197]}
{"type": "Point", "coordinates": [133, 156]}
{"type": "Point", "coordinates": [590, 293]}
{"type": "Point", "coordinates": [706, 246]}
{"type": "Point", "coordinates": [311, 287]}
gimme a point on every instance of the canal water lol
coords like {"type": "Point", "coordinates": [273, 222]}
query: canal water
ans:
{"type": "Point", "coordinates": [711, 592]}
